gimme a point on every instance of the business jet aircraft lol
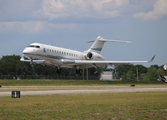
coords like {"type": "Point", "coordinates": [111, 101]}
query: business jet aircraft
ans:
{"type": "Point", "coordinates": [66, 58]}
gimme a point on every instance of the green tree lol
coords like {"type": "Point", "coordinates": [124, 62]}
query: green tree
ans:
{"type": "Point", "coordinates": [11, 65]}
{"type": "Point", "coordinates": [160, 71]}
{"type": "Point", "coordinates": [123, 70]}
{"type": "Point", "coordinates": [130, 75]}
{"type": "Point", "coordinates": [152, 74]}
{"type": "Point", "coordinates": [8, 64]}
{"type": "Point", "coordinates": [142, 70]}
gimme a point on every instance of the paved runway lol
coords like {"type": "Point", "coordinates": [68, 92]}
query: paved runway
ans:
{"type": "Point", "coordinates": [94, 91]}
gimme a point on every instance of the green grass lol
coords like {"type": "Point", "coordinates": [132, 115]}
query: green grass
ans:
{"type": "Point", "coordinates": [68, 82]}
{"type": "Point", "coordinates": [116, 106]}
{"type": "Point", "coordinates": [113, 106]}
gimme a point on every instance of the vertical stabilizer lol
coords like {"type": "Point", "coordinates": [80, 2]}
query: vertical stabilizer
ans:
{"type": "Point", "coordinates": [99, 42]}
{"type": "Point", "coordinates": [97, 45]}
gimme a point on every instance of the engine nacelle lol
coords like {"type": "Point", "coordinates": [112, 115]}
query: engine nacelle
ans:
{"type": "Point", "coordinates": [89, 56]}
{"type": "Point", "coordinates": [93, 56]}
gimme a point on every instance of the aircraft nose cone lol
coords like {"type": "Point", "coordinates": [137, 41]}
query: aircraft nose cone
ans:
{"type": "Point", "coordinates": [27, 51]}
{"type": "Point", "coordinates": [24, 51]}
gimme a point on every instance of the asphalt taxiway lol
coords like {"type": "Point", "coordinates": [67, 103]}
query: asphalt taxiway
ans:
{"type": "Point", "coordinates": [86, 91]}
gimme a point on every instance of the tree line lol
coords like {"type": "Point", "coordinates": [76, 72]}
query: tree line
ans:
{"type": "Point", "coordinates": [12, 66]}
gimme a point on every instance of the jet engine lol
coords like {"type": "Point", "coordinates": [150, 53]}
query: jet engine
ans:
{"type": "Point", "coordinates": [89, 56]}
{"type": "Point", "coordinates": [93, 56]}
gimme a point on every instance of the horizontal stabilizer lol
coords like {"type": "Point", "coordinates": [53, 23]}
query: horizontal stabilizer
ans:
{"type": "Point", "coordinates": [108, 40]}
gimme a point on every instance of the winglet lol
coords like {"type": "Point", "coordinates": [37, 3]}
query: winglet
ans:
{"type": "Point", "coordinates": [152, 58]}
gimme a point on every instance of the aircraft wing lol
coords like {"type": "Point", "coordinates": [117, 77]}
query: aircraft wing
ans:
{"type": "Point", "coordinates": [104, 63]}
{"type": "Point", "coordinates": [84, 63]}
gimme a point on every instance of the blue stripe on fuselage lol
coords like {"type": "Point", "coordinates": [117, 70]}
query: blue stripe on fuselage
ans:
{"type": "Point", "coordinates": [52, 57]}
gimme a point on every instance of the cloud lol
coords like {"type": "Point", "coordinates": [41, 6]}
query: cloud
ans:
{"type": "Point", "coordinates": [159, 10]}
{"type": "Point", "coordinates": [30, 10]}
{"type": "Point", "coordinates": [53, 9]}
{"type": "Point", "coordinates": [32, 27]}
{"type": "Point", "coordinates": [41, 16]}
{"type": "Point", "coordinates": [13, 10]}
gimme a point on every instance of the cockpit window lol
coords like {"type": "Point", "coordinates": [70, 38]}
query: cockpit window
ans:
{"type": "Point", "coordinates": [34, 46]}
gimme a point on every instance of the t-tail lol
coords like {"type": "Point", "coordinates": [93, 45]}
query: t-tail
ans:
{"type": "Point", "coordinates": [99, 42]}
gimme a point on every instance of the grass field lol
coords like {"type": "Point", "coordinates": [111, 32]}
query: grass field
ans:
{"type": "Point", "coordinates": [115, 106]}
{"type": "Point", "coordinates": [108, 106]}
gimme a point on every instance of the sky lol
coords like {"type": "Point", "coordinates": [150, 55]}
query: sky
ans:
{"type": "Point", "coordinates": [72, 23]}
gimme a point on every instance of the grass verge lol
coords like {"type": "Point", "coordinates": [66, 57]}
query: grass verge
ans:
{"type": "Point", "coordinates": [114, 106]}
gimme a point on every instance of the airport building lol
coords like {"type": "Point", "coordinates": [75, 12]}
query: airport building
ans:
{"type": "Point", "coordinates": [110, 74]}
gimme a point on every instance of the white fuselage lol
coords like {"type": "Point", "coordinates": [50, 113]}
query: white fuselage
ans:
{"type": "Point", "coordinates": [55, 55]}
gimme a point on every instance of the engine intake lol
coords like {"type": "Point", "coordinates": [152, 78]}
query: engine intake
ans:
{"type": "Point", "coordinates": [93, 56]}
{"type": "Point", "coordinates": [89, 56]}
